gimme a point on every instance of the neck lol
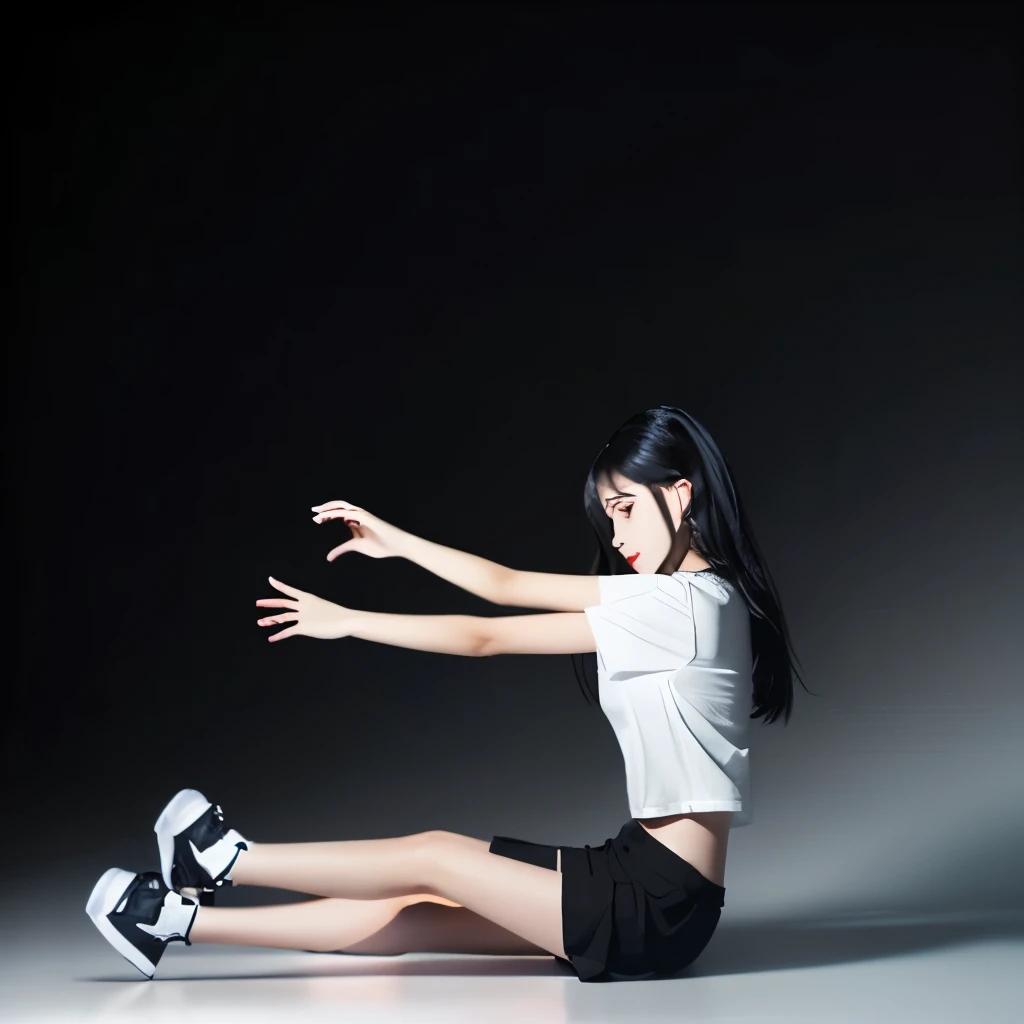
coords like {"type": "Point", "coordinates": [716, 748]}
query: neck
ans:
{"type": "Point", "coordinates": [692, 562]}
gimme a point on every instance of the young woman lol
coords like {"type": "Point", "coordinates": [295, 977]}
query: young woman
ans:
{"type": "Point", "coordinates": [690, 643]}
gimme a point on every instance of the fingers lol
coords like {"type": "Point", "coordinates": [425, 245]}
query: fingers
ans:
{"type": "Point", "coordinates": [349, 515]}
{"type": "Point", "coordinates": [284, 633]}
{"type": "Point", "coordinates": [339, 550]}
{"type": "Point", "coordinates": [336, 505]}
{"type": "Point", "coordinates": [276, 602]}
{"type": "Point", "coordinates": [278, 585]}
{"type": "Point", "coordinates": [273, 620]}
{"type": "Point", "coordinates": [276, 620]}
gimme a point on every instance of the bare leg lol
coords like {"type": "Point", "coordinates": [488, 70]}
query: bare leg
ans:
{"type": "Point", "coordinates": [410, 924]}
{"type": "Point", "coordinates": [523, 898]}
{"type": "Point", "coordinates": [357, 869]}
{"type": "Point", "coordinates": [323, 924]}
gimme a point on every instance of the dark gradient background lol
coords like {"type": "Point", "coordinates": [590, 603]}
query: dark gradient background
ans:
{"type": "Point", "coordinates": [427, 262]}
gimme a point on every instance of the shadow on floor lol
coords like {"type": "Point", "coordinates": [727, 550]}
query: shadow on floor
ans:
{"type": "Point", "coordinates": [734, 949]}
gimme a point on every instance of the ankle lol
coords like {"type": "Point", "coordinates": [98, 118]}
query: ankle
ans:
{"type": "Point", "coordinates": [236, 873]}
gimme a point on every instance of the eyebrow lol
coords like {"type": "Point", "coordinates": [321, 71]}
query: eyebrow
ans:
{"type": "Point", "coordinates": [618, 494]}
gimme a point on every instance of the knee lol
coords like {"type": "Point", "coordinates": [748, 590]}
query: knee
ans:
{"type": "Point", "coordinates": [443, 842]}
{"type": "Point", "coordinates": [431, 850]}
{"type": "Point", "coordinates": [431, 837]}
{"type": "Point", "coordinates": [431, 841]}
{"type": "Point", "coordinates": [435, 835]}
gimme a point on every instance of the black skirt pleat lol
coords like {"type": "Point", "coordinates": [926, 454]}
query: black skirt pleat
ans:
{"type": "Point", "coordinates": [630, 907]}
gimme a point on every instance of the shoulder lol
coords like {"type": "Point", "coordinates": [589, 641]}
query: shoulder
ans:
{"type": "Point", "coordinates": [642, 593]}
{"type": "Point", "coordinates": [715, 586]}
{"type": "Point", "coordinates": [640, 617]}
{"type": "Point", "coordinates": [627, 584]}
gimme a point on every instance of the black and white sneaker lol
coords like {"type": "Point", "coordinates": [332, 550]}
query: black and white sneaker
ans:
{"type": "Point", "coordinates": [138, 915]}
{"type": "Point", "coordinates": [196, 852]}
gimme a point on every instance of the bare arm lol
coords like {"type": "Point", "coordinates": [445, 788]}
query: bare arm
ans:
{"type": "Point", "coordinates": [444, 634]}
{"type": "Point", "coordinates": [471, 635]}
{"type": "Point", "coordinates": [476, 636]}
{"type": "Point", "coordinates": [558, 633]}
{"type": "Point", "coordinates": [557, 591]}
{"type": "Point", "coordinates": [499, 584]}
{"type": "Point", "coordinates": [480, 576]}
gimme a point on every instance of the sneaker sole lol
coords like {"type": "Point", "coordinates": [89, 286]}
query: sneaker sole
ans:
{"type": "Point", "coordinates": [106, 894]}
{"type": "Point", "coordinates": [183, 809]}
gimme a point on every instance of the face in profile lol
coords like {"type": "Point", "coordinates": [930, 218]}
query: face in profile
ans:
{"type": "Point", "coordinates": [639, 531]}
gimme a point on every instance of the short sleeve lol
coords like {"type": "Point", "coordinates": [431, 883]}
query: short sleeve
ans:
{"type": "Point", "coordinates": [627, 584]}
{"type": "Point", "coordinates": [644, 623]}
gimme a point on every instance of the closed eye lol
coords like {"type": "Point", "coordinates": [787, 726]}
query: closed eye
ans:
{"type": "Point", "coordinates": [626, 509]}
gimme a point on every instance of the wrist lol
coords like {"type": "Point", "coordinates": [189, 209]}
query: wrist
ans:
{"type": "Point", "coordinates": [346, 622]}
{"type": "Point", "coordinates": [403, 544]}
{"type": "Point", "coordinates": [358, 623]}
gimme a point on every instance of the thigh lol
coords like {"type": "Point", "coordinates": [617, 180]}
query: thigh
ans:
{"type": "Point", "coordinates": [520, 898]}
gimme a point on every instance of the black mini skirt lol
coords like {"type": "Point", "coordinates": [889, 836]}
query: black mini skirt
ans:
{"type": "Point", "coordinates": [631, 908]}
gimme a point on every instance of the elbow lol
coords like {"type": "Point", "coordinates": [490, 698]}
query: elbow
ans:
{"type": "Point", "coordinates": [502, 587]}
{"type": "Point", "coordinates": [485, 643]}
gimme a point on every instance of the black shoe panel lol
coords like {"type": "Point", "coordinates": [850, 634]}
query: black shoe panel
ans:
{"type": "Point", "coordinates": [144, 902]}
{"type": "Point", "coordinates": [186, 872]}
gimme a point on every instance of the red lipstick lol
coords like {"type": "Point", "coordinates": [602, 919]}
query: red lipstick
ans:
{"type": "Point", "coordinates": [633, 558]}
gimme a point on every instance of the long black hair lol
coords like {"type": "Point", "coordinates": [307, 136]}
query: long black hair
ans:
{"type": "Point", "coordinates": [655, 449]}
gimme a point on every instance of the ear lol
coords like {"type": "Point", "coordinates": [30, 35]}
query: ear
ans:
{"type": "Point", "coordinates": [685, 489]}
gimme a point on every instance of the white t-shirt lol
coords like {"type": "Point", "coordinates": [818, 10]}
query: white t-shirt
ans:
{"type": "Point", "coordinates": [675, 679]}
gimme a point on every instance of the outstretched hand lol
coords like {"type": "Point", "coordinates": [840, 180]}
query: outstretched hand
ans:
{"type": "Point", "coordinates": [370, 534]}
{"type": "Point", "coordinates": [312, 615]}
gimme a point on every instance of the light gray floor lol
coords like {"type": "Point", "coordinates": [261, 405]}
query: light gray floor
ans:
{"type": "Point", "coordinates": [957, 968]}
